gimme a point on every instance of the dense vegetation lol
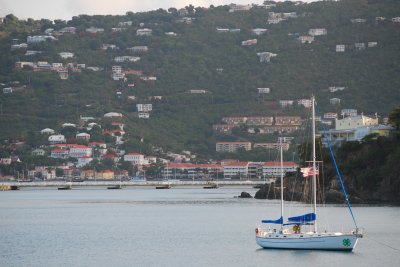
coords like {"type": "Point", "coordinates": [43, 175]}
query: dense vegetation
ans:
{"type": "Point", "coordinates": [189, 61]}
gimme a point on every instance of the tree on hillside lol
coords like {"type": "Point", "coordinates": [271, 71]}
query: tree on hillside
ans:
{"type": "Point", "coordinates": [394, 118]}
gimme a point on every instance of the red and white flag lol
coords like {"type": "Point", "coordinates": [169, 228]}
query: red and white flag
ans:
{"type": "Point", "coordinates": [308, 171]}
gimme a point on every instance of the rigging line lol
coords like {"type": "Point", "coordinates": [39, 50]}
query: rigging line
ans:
{"type": "Point", "coordinates": [338, 173]}
{"type": "Point", "coordinates": [383, 244]}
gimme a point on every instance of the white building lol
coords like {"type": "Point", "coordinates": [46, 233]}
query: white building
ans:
{"type": "Point", "coordinates": [232, 146]}
{"type": "Point", "coordinates": [144, 107]}
{"type": "Point", "coordinates": [348, 112]}
{"type": "Point", "coordinates": [113, 114]}
{"type": "Point", "coordinates": [359, 46]}
{"type": "Point", "coordinates": [47, 131]}
{"type": "Point", "coordinates": [239, 169]}
{"type": "Point", "coordinates": [234, 8]}
{"type": "Point", "coordinates": [273, 145]}
{"type": "Point", "coordinates": [340, 48]}
{"type": "Point", "coordinates": [138, 49]}
{"type": "Point", "coordinates": [266, 56]}
{"type": "Point", "coordinates": [82, 161]}
{"type": "Point", "coordinates": [39, 38]}
{"type": "Point", "coordinates": [354, 122]}
{"type": "Point", "coordinates": [273, 168]}
{"type": "Point", "coordinates": [80, 151]}
{"type": "Point", "coordinates": [317, 32]}
{"type": "Point", "coordinates": [83, 136]}
{"type": "Point", "coordinates": [305, 103]}
{"type": "Point", "coordinates": [306, 39]}
{"type": "Point", "coordinates": [286, 103]}
{"type": "Point", "coordinates": [334, 101]}
{"type": "Point", "coordinates": [135, 158]}
{"type": "Point", "coordinates": [116, 76]}
{"type": "Point", "coordinates": [116, 69]}
{"type": "Point", "coordinates": [59, 153]}
{"type": "Point", "coordinates": [109, 46]}
{"type": "Point", "coordinates": [263, 90]}
{"type": "Point", "coordinates": [126, 59]}
{"type": "Point", "coordinates": [56, 139]}
{"type": "Point", "coordinates": [259, 31]}
{"type": "Point", "coordinates": [143, 115]}
{"type": "Point", "coordinates": [330, 115]}
{"type": "Point", "coordinates": [144, 32]}
{"type": "Point", "coordinates": [65, 55]}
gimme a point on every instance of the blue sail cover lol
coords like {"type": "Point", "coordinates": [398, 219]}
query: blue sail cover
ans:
{"type": "Point", "coordinates": [309, 217]}
{"type": "Point", "coordinates": [279, 221]}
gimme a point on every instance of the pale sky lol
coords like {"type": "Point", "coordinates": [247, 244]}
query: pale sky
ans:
{"type": "Point", "coordinates": [65, 9]}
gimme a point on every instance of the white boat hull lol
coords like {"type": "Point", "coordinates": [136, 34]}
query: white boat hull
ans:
{"type": "Point", "coordinates": [344, 242]}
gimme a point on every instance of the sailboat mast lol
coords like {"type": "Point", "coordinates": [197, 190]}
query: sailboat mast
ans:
{"type": "Point", "coordinates": [281, 184]}
{"type": "Point", "coordinates": [314, 177]}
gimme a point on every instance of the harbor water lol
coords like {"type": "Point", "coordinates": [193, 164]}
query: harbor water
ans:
{"type": "Point", "coordinates": [174, 227]}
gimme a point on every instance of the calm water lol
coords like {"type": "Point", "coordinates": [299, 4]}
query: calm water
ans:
{"type": "Point", "coordinates": [177, 227]}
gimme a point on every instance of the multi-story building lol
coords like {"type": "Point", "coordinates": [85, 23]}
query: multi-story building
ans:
{"type": "Point", "coordinates": [234, 120]}
{"type": "Point", "coordinates": [273, 168]}
{"type": "Point", "coordinates": [305, 103]}
{"type": "Point", "coordinates": [259, 31]}
{"type": "Point", "coordinates": [138, 49]}
{"type": "Point", "coordinates": [80, 151]}
{"type": "Point", "coordinates": [330, 115]}
{"type": "Point", "coordinates": [278, 129]}
{"type": "Point", "coordinates": [287, 120]}
{"type": "Point", "coordinates": [135, 158]}
{"type": "Point", "coordinates": [116, 69]}
{"type": "Point", "coordinates": [340, 48]}
{"type": "Point", "coordinates": [259, 120]}
{"type": "Point", "coordinates": [39, 38]}
{"type": "Point", "coordinates": [317, 32]}
{"type": "Point", "coordinates": [66, 55]}
{"type": "Point", "coordinates": [232, 146]}
{"type": "Point", "coordinates": [348, 112]}
{"type": "Point", "coordinates": [56, 139]}
{"type": "Point", "coordinates": [263, 90]}
{"type": "Point", "coordinates": [306, 39]}
{"type": "Point", "coordinates": [144, 107]}
{"type": "Point", "coordinates": [144, 32]}
{"type": "Point", "coordinates": [286, 103]}
{"type": "Point", "coordinates": [334, 101]}
{"type": "Point", "coordinates": [266, 56]}
{"type": "Point", "coordinates": [353, 122]}
{"type": "Point", "coordinates": [236, 170]}
{"type": "Point", "coordinates": [276, 145]}
{"type": "Point", "coordinates": [59, 153]}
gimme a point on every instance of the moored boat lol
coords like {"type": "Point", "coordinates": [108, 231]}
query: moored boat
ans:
{"type": "Point", "coordinates": [290, 234]}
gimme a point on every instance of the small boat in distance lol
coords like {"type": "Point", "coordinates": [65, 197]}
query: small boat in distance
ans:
{"type": "Point", "coordinates": [211, 186]}
{"type": "Point", "coordinates": [67, 187]}
{"type": "Point", "coordinates": [290, 234]}
{"type": "Point", "coordinates": [115, 187]}
{"type": "Point", "coordinates": [163, 186]}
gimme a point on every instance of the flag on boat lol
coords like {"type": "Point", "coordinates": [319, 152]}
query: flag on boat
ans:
{"type": "Point", "coordinates": [308, 171]}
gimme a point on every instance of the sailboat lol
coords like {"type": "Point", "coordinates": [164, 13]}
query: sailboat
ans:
{"type": "Point", "coordinates": [290, 234]}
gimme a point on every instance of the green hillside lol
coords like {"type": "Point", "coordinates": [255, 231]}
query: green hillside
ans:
{"type": "Point", "coordinates": [199, 57]}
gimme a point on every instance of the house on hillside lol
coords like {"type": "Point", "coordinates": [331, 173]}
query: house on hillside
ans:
{"type": "Point", "coordinates": [232, 146]}
{"type": "Point", "coordinates": [340, 48]}
{"type": "Point", "coordinates": [56, 139]}
{"type": "Point", "coordinates": [317, 32]}
{"type": "Point", "coordinates": [144, 32]}
{"type": "Point", "coordinates": [306, 39]}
